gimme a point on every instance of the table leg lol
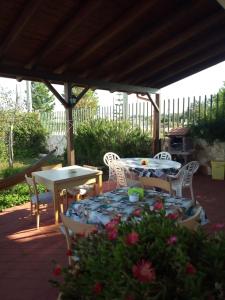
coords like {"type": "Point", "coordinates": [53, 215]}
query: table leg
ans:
{"type": "Point", "coordinates": [56, 204]}
{"type": "Point", "coordinates": [99, 184]}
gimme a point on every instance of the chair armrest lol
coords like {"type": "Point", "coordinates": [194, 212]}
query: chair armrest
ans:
{"type": "Point", "coordinates": [171, 177]}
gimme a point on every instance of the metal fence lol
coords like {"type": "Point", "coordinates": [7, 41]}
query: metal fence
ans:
{"type": "Point", "coordinates": [178, 112]}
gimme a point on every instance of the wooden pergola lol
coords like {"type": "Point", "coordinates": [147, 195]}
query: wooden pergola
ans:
{"type": "Point", "coordinates": [130, 46]}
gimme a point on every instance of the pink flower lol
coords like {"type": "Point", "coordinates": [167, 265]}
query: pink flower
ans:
{"type": "Point", "coordinates": [171, 240]}
{"type": "Point", "coordinates": [172, 216]}
{"type": "Point", "coordinates": [143, 271]}
{"type": "Point", "coordinates": [218, 226]}
{"type": "Point", "coordinates": [112, 224]}
{"type": "Point", "coordinates": [112, 234]}
{"type": "Point", "coordinates": [98, 288]}
{"type": "Point", "coordinates": [57, 271]}
{"type": "Point", "coordinates": [69, 252]}
{"type": "Point", "coordinates": [158, 206]}
{"type": "Point", "coordinates": [137, 212]}
{"type": "Point", "coordinates": [80, 234]}
{"type": "Point", "coordinates": [94, 230]}
{"type": "Point", "coordinates": [190, 269]}
{"type": "Point", "coordinates": [132, 238]}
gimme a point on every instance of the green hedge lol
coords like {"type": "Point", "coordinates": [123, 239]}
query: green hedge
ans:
{"type": "Point", "coordinates": [209, 130]}
{"type": "Point", "coordinates": [16, 195]}
{"type": "Point", "coordinates": [96, 137]}
{"type": "Point", "coordinates": [29, 136]}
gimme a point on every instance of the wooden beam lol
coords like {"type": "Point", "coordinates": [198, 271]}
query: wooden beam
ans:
{"type": "Point", "coordinates": [149, 99]}
{"type": "Point", "coordinates": [191, 62]}
{"type": "Point", "coordinates": [156, 126]}
{"type": "Point", "coordinates": [197, 68]}
{"type": "Point", "coordinates": [172, 43]}
{"type": "Point", "coordinates": [116, 27]}
{"type": "Point", "coordinates": [164, 63]}
{"type": "Point", "coordinates": [78, 97]}
{"type": "Point", "coordinates": [36, 75]}
{"type": "Point", "coordinates": [69, 125]}
{"type": "Point", "coordinates": [55, 93]}
{"type": "Point", "coordinates": [139, 41]}
{"type": "Point", "coordinates": [64, 30]}
{"type": "Point", "coordinates": [23, 18]}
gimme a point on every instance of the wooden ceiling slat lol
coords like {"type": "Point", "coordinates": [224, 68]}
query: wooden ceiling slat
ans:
{"type": "Point", "coordinates": [164, 63]}
{"type": "Point", "coordinates": [192, 61]}
{"type": "Point", "coordinates": [197, 68]}
{"type": "Point", "coordinates": [137, 42]}
{"type": "Point", "coordinates": [118, 26]}
{"type": "Point", "coordinates": [23, 18]}
{"type": "Point", "coordinates": [61, 33]}
{"type": "Point", "coordinates": [169, 40]}
{"type": "Point", "coordinates": [172, 43]}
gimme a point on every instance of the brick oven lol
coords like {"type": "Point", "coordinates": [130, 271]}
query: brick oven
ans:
{"type": "Point", "coordinates": [180, 143]}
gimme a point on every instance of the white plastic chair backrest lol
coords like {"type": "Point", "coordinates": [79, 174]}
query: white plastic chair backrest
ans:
{"type": "Point", "coordinates": [186, 173]}
{"type": "Point", "coordinates": [109, 157]}
{"type": "Point", "coordinates": [163, 155]}
{"type": "Point", "coordinates": [119, 171]}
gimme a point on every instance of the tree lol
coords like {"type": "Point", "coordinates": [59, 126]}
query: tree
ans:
{"type": "Point", "coordinates": [8, 116]}
{"type": "Point", "coordinates": [42, 100]}
{"type": "Point", "coordinates": [89, 100]}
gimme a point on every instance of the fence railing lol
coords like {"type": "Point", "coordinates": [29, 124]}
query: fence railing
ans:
{"type": "Point", "coordinates": [178, 112]}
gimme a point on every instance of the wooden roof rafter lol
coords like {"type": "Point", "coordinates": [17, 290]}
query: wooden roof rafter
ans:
{"type": "Point", "coordinates": [61, 33]}
{"type": "Point", "coordinates": [119, 45]}
{"type": "Point", "coordinates": [172, 43]}
{"type": "Point", "coordinates": [148, 34]}
{"type": "Point", "coordinates": [18, 25]}
{"type": "Point", "coordinates": [195, 59]}
{"type": "Point", "coordinates": [118, 26]}
{"type": "Point", "coordinates": [195, 68]}
{"type": "Point", "coordinates": [163, 64]}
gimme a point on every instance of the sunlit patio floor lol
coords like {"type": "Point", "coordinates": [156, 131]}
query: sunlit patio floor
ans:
{"type": "Point", "coordinates": [26, 254]}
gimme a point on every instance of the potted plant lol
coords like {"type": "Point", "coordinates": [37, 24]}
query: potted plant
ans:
{"type": "Point", "coordinates": [146, 258]}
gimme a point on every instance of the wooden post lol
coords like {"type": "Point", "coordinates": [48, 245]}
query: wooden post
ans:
{"type": "Point", "coordinates": [69, 124]}
{"type": "Point", "coordinates": [156, 126]}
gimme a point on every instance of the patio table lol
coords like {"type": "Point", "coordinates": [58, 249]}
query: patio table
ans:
{"type": "Point", "coordinates": [63, 178]}
{"type": "Point", "coordinates": [101, 209]}
{"type": "Point", "coordinates": [153, 168]}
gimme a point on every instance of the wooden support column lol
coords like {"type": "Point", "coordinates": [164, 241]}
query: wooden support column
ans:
{"type": "Point", "coordinates": [69, 124]}
{"type": "Point", "coordinates": [156, 126]}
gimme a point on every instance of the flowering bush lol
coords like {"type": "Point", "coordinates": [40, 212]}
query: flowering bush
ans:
{"type": "Point", "coordinates": [151, 258]}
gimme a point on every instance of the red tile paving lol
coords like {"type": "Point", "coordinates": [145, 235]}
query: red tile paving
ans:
{"type": "Point", "coordinates": [26, 254]}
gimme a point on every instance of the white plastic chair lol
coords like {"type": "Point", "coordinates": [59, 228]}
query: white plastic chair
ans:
{"type": "Point", "coordinates": [163, 155]}
{"type": "Point", "coordinates": [183, 179]}
{"type": "Point", "coordinates": [108, 158]}
{"type": "Point", "coordinates": [119, 173]}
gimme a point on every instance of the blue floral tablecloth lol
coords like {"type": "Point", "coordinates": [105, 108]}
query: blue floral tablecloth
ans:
{"type": "Point", "coordinates": [153, 168]}
{"type": "Point", "coordinates": [101, 209]}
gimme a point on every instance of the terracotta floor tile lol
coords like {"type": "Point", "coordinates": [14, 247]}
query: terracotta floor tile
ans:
{"type": "Point", "coordinates": [26, 254]}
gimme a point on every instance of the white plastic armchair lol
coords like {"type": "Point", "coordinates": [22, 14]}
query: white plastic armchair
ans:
{"type": "Point", "coordinates": [184, 178]}
{"type": "Point", "coordinates": [108, 158]}
{"type": "Point", "coordinates": [119, 172]}
{"type": "Point", "coordinates": [163, 155]}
